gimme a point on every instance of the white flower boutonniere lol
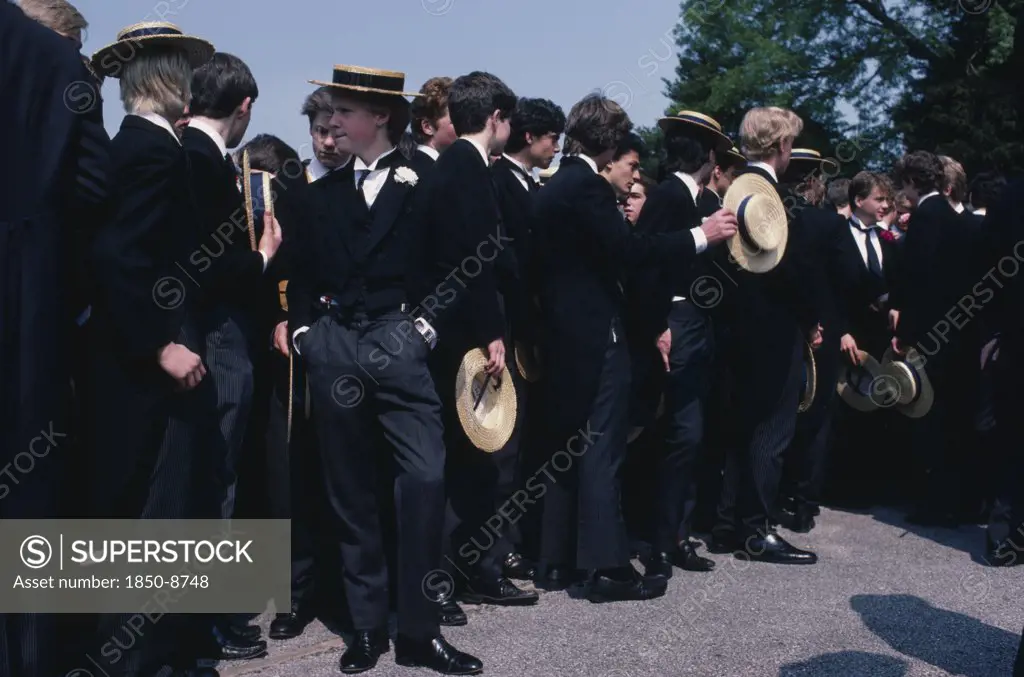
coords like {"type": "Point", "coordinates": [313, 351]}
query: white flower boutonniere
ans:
{"type": "Point", "coordinates": [406, 175]}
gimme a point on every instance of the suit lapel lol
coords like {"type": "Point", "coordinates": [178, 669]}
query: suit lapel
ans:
{"type": "Point", "coordinates": [387, 208]}
{"type": "Point", "coordinates": [341, 205]}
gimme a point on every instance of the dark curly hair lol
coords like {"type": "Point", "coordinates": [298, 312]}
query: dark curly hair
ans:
{"type": "Point", "coordinates": [922, 169]}
{"type": "Point", "coordinates": [536, 117]}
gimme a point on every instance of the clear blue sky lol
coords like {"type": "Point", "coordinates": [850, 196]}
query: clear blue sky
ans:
{"type": "Point", "coordinates": [555, 49]}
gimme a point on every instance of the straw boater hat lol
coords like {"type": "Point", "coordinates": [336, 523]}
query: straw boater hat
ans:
{"type": "Point", "coordinates": [912, 390]}
{"type": "Point", "coordinates": [803, 161]}
{"type": "Point", "coordinates": [810, 384]}
{"type": "Point", "coordinates": [373, 80]}
{"type": "Point", "coordinates": [486, 406]}
{"type": "Point", "coordinates": [735, 156]}
{"type": "Point", "coordinates": [135, 39]}
{"type": "Point", "coordinates": [760, 242]}
{"type": "Point", "coordinates": [862, 385]}
{"type": "Point", "coordinates": [692, 122]}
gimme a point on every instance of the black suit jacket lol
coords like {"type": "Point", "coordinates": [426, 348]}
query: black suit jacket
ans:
{"type": "Point", "coordinates": [869, 327]}
{"type": "Point", "coordinates": [583, 249]}
{"type": "Point", "coordinates": [938, 270]}
{"type": "Point", "coordinates": [144, 294]}
{"type": "Point", "coordinates": [53, 196]}
{"type": "Point", "coordinates": [766, 313]}
{"type": "Point", "coordinates": [226, 260]}
{"type": "Point", "coordinates": [513, 264]}
{"type": "Point", "coordinates": [1003, 295]}
{"type": "Point", "coordinates": [836, 260]}
{"type": "Point", "coordinates": [369, 259]}
{"type": "Point", "coordinates": [708, 202]}
{"type": "Point", "coordinates": [463, 224]}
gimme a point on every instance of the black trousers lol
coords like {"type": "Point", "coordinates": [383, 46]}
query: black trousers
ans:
{"type": "Point", "coordinates": [475, 481]}
{"type": "Point", "coordinates": [753, 469]}
{"type": "Point", "coordinates": [942, 438]}
{"type": "Point", "coordinates": [1006, 521]}
{"type": "Point", "coordinates": [690, 362]}
{"type": "Point", "coordinates": [807, 459]}
{"type": "Point", "coordinates": [155, 458]}
{"type": "Point", "coordinates": [369, 376]}
{"type": "Point", "coordinates": [583, 523]}
{"type": "Point", "coordinates": [230, 369]}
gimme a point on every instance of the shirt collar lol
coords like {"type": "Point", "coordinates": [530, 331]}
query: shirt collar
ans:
{"type": "Point", "coordinates": [519, 164]}
{"type": "Point", "coordinates": [712, 191]}
{"type": "Point", "coordinates": [959, 207]}
{"type": "Point", "coordinates": [925, 197]}
{"type": "Point", "coordinates": [480, 149]}
{"type": "Point", "coordinates": [429, 150]}
{"type": "Point", "coordinates": [360, 165]}
{"type": "Point", "coordinates": [690, 184]}
{"type": "Point", "coordinates": [590, 161]}
{"type": "Point", "coordinates": [981, 211]}
{"type": "Point", "coordinates": [161, 121]}
{"type": "Point", "coordinates": [860, 224]}
{"type": "Point", "coordinates": [767, 168]}
{"type": "Point", "coordinates": [210, 132]}
{"type": "Point", "coordinates": [318, 169]}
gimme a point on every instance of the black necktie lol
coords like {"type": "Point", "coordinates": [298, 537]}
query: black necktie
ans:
{"type": "Point", "coordinates": [530, 183]}
{"type": "Point", "coordinates": [874, 265]}
{"type": "Point", "coordinates": [360, 180]}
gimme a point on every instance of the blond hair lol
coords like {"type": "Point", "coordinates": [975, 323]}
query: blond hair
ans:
{"type": "Point", "coordinates": [764, 129]}
{"type": "Point", "coordinates": [158, 81]}
{"type": "Point", "coordinates": [59, 16]}
{"type": "Point", "coordinates": [955, 178]}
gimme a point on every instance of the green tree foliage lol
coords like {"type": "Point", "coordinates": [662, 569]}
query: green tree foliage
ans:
{"type": "Point", "coordinates": [869, 77]}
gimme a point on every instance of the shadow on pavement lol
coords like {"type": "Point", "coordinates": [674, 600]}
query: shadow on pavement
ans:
{"type": "Point", "coordinates": [846, 664]}
{"type": "Point", "coordinates": [950, 641]}
{"type": "Point", "coordinates": [969, 538]}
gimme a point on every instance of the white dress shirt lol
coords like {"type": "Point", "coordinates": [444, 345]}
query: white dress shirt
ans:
{"type": "Point", "coordinates": [959, 207]}
{"type": "Point", "coordinates": [520, 176]}
{"type": "Point", "coordinates": [161, 121]}
{"type": "Point", "coordinates": [861, 238]}
{"type": "Point", "coordinates": [375, 179]}
{"type": "Point", "coordinates": [480, 149]}
{"type": "Point", "coordinates": [430, 151]}
{"type": "Point", "coordinates": [925, 197]}
{"type": "Point", "coordinates": [767, 168]}
{"type": "Point", "coordinates": [700, 240]}
{"type": "Point", "coordinates": [210, 132]}
{"type": "Point", "coordinates": [318, 170]}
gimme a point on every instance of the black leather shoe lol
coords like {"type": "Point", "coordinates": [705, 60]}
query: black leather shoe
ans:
{"type": "Point", "coordinates": [636, 588]}
{"type": "Point", "coordinates": [801, 521]}
{"type": "Point", "coordinates": [364, 651]}
{"type": "Point", "coordinates": [658, 564]}
{"type": "Point", "coordinates": [250, 632]}
{"type": "Point", "coordinates": [688, 559]}
{"type": "Point", "coordinates": [560, 578]}
{"type": "Point", "coordinates": [287, 626]}
{"type": "Point", "coordinates": [226, 646]}
{"type": "Point", "coordinates": [1003, 555]}
{"type": "Point", "coordinates": [436, 654]}
{"type": "Point", "coordinates": [724, 542]}
{"type": "Point", "coordinates": [500, 591]}
{"type": "Point", "coordinates": [774, 548]}
{"type": "Point", "coordinates": [518, 568]}
{"type": "Point", "coordinates": [452, 614]}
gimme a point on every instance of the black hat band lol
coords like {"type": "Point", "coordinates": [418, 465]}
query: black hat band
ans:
{"type": "Point", "coordinates": [369, 80]}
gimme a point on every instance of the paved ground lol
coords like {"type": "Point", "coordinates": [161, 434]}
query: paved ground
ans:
{"type": "Point", "coordinates": [886, 600]}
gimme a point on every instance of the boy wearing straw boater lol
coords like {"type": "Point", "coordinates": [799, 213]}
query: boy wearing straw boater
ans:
{"type": "Point", "coordinates": [156, 440]}
{"type": "Point", "coordinates": [693, 141]}
{"type": "Point", "coordinates": [357, 278]}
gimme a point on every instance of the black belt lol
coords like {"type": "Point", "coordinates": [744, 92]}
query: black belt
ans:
{"type": "Point", "coordinates": [330, 306]}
